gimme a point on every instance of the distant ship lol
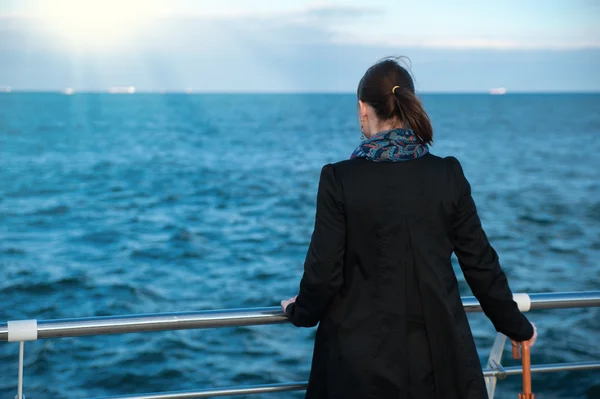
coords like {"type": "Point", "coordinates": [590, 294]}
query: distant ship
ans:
{"type": "Point", "coordinates": [68, 91]}
{"type": "Point", "coordinates": [122, 90]}
{"type": "Point", "coordinates": [5, 89]}
{"type": "Point", "coordinates": [497, 90]}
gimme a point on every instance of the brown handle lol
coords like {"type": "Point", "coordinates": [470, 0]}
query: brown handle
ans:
{"type": "Point", "coordinates": [526, 369]}
{"type": "Point", "coordinates": [526, 360]}
{"type": "Point", "coordinates": [515, 351]}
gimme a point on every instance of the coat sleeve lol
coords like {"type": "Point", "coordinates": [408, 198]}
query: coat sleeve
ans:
{"type": "Point", "coordinates": [323, 275]}
{"type": "Point", "coordinates": [481, 267]}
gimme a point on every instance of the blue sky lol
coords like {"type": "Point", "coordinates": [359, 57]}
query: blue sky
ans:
{"type": "Point", "coordinates": [298, 45]}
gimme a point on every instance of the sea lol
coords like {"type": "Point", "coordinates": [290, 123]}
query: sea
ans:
{"type": "Point", "coordinates": [143, 203]}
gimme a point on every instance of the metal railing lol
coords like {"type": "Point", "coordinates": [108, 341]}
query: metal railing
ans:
{"type": "Point", "coordinates": [32, 329]}
{"type": "Point", "coordinates": [248, 317]}
{"type": "Point", "coordinates": [298, 386]}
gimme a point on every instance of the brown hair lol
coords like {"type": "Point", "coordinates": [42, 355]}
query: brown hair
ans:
{"type": "Point", "coordinates": [377, 88]}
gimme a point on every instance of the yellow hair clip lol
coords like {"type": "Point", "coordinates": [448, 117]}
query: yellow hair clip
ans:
{"type": "Point", "coordinates": [394, 89]}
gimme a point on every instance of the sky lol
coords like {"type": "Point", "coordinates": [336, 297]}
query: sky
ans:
{"type": "Point", "coordinates": [298, 45]}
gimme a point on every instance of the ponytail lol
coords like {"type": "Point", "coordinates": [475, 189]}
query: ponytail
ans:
{"type": "Point", "coordinates": [409, 109]}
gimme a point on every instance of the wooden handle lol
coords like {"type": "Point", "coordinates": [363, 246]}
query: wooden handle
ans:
{"type": "Point", "coordinates": [526, 360]}
{"type": "Point", "coordinates": [526, 368]}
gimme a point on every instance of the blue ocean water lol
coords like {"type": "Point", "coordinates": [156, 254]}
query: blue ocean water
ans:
{"type": "Point", "coordinates": [153, 203]}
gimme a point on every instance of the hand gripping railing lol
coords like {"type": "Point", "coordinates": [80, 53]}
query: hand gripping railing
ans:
{"type": "Point", "coordinates": [25, 330]}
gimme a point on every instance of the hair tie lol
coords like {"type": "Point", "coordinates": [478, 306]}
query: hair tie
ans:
{"type": "Point", "coordinates": [394, 89]}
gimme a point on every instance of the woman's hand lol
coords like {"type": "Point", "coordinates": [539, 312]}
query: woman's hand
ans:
{"type": "Point", "coordinates": [285, 303]}
{"type": "Point", "coordinates": [531, 341]}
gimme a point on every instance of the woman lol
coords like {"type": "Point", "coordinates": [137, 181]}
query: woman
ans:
{"type": "Point", "coordinates": [378, 277]}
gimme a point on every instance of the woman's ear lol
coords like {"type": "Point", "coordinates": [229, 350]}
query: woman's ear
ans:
{"type": "Point", "coordinates": [362, 111]}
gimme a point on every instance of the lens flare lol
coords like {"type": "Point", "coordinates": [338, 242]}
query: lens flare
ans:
{"type": "Point", "coordinates": [92, 23]}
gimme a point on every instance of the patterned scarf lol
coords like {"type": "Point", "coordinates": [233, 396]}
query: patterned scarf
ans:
{"type": "Point", "coordinates": [391, 146]}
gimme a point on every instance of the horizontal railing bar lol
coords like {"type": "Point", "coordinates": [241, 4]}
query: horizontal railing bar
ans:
{"type": "Point", "coordinates": [543, 368]}
{"type": "Point", "coordinates": [206, 393]}
{"type": "Point", "coordinates": [243, 317]}
{"type": "Point", "coordinates": [565, 300]}
{"type": "Point", "coordinates": [297, 386]}
{"type": "Point", "coordinates": [154, 322]}
{"type": "Point", "coordinates": [550, 300]}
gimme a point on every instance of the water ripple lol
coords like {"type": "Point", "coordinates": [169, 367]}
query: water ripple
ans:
{"type": "Point", "coordinates": [167, 203]}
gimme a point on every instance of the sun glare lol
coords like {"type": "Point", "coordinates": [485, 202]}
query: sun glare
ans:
{"type": "Point", "coordinates": [93, 23]}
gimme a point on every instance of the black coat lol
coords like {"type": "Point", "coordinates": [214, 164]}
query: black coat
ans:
{"type": "Point", "coordinates": [379, 281]}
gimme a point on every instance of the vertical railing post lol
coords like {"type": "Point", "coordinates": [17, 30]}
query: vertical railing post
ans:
{"type": "Point", "coordinates": [21, 331]}
{"type": "Point", "coordinates": [495, 362]}
{"type": "Point", "coordinates": [20, 381]}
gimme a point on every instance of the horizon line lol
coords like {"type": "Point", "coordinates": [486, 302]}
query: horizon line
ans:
{"type": "Point", "coordinates": [251, 92]}
{"type": "Point", "coordinates": [72, 91]}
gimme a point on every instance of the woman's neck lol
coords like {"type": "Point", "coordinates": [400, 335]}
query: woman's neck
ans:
{"type": "Point", "coordinates": [385, 126]}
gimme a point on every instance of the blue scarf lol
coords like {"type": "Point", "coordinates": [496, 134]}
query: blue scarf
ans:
{"type": "Point", "coordinates": [391, 146]}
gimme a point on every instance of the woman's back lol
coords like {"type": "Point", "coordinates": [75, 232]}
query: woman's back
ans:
{"type": "Point", "coordinates": [398, 244]}
{"type": "Point", "coordinates": [396, 213]}
{"type": "Point", "coordinates": [378, 277]}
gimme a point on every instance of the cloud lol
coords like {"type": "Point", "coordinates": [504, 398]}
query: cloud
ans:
{"type": "Point", "coordinates": [472, 43]}
{"type": "Point", "coordinates": [337, 12]}
{"type": "Point", "coordinates": [326, 23]}
{"type": "Point", "coordinates": [308, 49]}
{"type": "Point", "coordinates": [193, 32]}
